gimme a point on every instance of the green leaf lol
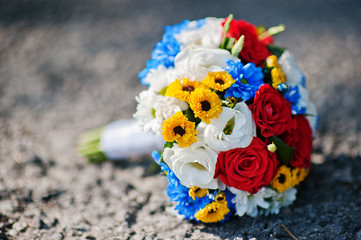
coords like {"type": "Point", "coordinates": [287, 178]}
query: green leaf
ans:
{"type": "Point", "coordinates": [168, 145]}
{"type": "Point", "coordinates": [190, 115]}
{"type": "Point", "coordinates": [237, 47]}
{"type": "Point", "coordinates": [163, 91]}
{"type": "Point", "coordinates": [267, 74]}
{"type": "Point", "coordinates": [284, 152]}
{"type": "Point", "coordinates": [275, 50]}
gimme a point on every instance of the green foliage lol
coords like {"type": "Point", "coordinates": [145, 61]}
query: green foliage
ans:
{"type": "Point", "coordinates": [284, 152]}
{"type": "Point", "coordinates": [275, 50]}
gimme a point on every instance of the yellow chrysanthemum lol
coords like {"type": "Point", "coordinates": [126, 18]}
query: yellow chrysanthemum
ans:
{"type": "Point", "coordinates": [283, 179]}
{"type": "Point", "coordinates": [277, 77]}
{"type": "Point", "coordinates": [205, 104]}
{"type": "Point", "coordinates": [213, 212]}
{"type": "Point", "coordinates": [182, 90]}
{"type": "Point", "coordinates": [178, 128]}
{"type": "Point", "coordinates": [197, 192]}
{"type": "Point", "coordinates": [272, 61]}
{"type": "Point", "coordinates": [299, 174]}
{"type": "Point", "coordinates": [219, 81]}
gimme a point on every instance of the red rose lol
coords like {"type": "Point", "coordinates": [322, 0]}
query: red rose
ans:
{"type": "Point", "coordinates": [301, 139]}
{"type": "Point", "coordinates": [247, 169]}
{"type": "Point", "coordinates": [253, 50]}
{"type": "Point", "coordinates": [271, 111]}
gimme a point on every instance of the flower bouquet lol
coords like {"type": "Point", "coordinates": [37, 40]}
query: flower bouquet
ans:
{"type": "Point", "coordinates": [235, 116]}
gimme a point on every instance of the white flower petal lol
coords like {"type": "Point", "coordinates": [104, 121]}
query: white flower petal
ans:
{"type": "Point", "coordinates": [250, 204]}
{"type": "Point", "coordinates": [192, 166]}
{"type": "Point", "coordinates": [153, 109]}
{"type": "Point", "coordinates": [208, 35]}
{"type": "Point", "coordinates": [160, 77]}
{"type": "Point", "coordinates": [195, 62]}
{"type": "Point", "coordinates": [290, 68]}
{"type": "Point", "coordinates": [242, 133]}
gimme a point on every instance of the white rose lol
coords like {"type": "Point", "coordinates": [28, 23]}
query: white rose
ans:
{"type": "Point", "coordinates": [160, 77]}
{"type": "Point", "coordinates": [242, 132]}
{"type": "Point", "coordinates": [192, 166]}
{"type": "Point", "coordinates": [208, 35]}
{"type": "Point", "coordinates": [290, 68]}
{"type": "Point", "coordinates": [153, 109]}
{"type": "Point", "coordinates": [195, 62]}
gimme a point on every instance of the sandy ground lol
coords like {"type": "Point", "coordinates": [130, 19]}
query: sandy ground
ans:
{"type": "Point", "coordinates": [68, 66]}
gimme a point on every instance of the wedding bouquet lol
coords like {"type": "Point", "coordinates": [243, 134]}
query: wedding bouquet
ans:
{"type": "Point", "coordinates": [235, 116]}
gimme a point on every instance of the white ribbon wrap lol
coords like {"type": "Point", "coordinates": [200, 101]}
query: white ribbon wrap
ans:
{"type": "Point", "coordinates": [124, 139]}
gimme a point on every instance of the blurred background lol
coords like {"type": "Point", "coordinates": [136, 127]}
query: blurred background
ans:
{"type": "Point", "coordinates": [68, 66]}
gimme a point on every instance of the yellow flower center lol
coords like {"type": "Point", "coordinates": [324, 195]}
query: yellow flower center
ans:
{"type": "Point", "coordinates": [219, 81]}
{"type": "Point", "coordinates": [205, 106]}
{"type": "Point", "coordinates": [179, 130]}
{"type": "Point", "coordinates": [188, 88]}
{"type": "Point", "coordinates": [281, 178]}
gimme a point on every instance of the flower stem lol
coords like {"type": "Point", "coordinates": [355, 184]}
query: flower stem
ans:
{"type": "Point", "coordinates": [89, 145]}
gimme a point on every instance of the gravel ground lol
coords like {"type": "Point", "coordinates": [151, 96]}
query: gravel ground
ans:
{"type": "Point", "coordinates": [68, 66]}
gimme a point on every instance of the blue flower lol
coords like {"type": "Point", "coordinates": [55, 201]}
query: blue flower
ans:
{"type": "Point", "coordinates": [189, 208]}
{"type": "Point", "coordinates": [164, 52]}
{"type": "Point", "coordinates": [176, 28]}
{"type": "Point", "coordinates": [185, 204]}
{"type": "Point", "coordinates": [248, 79]}
{"type": "Point", "coordinates": [178, 193]}
{"type": "Point", "coordinates": [294, 97]}
{"type": "Point", "coordinates": [150, 65]}
{"type": "Point", "coordinates": [164, 167]}
{"type": "Point", "coordinates": [231, 206]}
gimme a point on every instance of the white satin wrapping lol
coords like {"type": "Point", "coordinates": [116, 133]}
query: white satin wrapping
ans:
{"type": "Point", "coordinates": [124, 139]}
